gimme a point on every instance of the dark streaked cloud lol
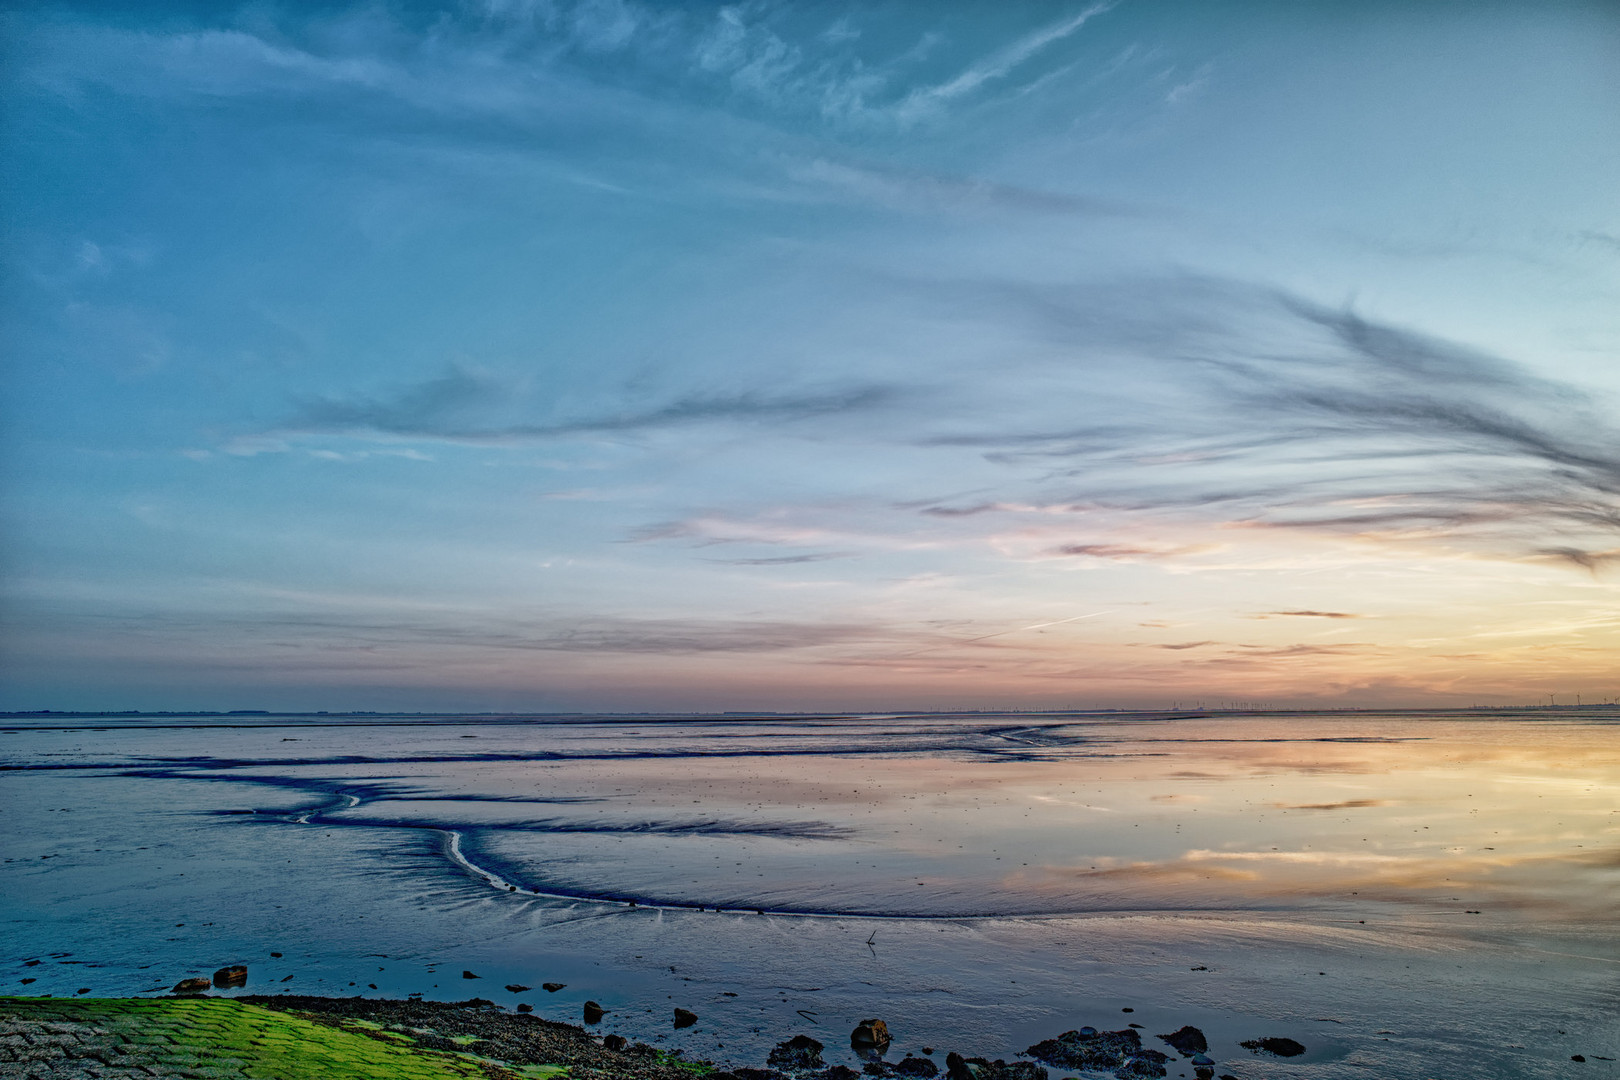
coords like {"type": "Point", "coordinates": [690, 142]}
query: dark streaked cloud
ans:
{"type": "Point", "coordinates": [382, 639]}
{"type": "Point", "coordinates": [457, 407]}
{"type": "Point", "coordinates": [1586, 560]}
{"type": "Point", "coordinates": [788, 560]}
{"type": "Point", "coordinates": [1120, 551]}
{"type": "Point", "coordinates": [1307, 615]}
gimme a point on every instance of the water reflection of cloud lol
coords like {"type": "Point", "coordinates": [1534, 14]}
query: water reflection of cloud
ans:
{"type": "Point", "coordinates": [1565, 883]}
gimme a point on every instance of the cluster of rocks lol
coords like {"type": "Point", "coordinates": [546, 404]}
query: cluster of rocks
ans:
{"type": "Point", "coordinates": [233, 977]}
{"type": "Point", "coordinates": [1119, 1052]}
{"type": "Point", "coordinates": [1086, 1049]}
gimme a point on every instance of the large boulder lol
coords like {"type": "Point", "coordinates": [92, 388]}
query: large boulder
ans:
{"type": "Point", "coordinates": [1187, 1040]}
{"type": "Point", "coordinates": [1276, 1047]}
{"type": "Point", "coordinates": [1120, 1052]}
{"type": "Point", "coordinates": [798, 1054]}
{"type": "Point", "coordinates": [959, 1068]}
{"type": "Point", "coordinates": [230, 978]}
{"type": "Point", "coordinates": [870, 1034]}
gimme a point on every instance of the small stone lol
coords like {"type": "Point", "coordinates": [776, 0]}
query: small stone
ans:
{"type": "Point", "coordinates": [514, 988]}
{"type": "Point", "coordinates": [613, 1042]}
{"type": "Point", "coordinates": [192, 986]}
{"type": "Point", "coordinates": [1576, 1057]}
{"type": "Point", "coordinates": [276, 955]}
{"type": "Point", "coordinates": [82, 990]}
{"type": "Point", "coordinates": [470, 975]}
{"type": "Point", "coordinates": [593, 1012]}
{"type": "Point", "coordinates": [685, 1018]}
{"type": "Point", "coordinates": [552, 988]}
{"type": "Point", "coordinates": [524, 1006]}
{"type": "Point", "coordinates": [1202, 1059]}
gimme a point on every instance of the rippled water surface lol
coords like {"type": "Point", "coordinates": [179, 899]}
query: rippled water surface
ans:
{"type": "Point", "coordinates": [1404, 894]}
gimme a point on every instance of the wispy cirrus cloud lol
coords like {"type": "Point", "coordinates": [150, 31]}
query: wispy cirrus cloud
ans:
{"type": "Point", "coordinates": [1256, 408]}
{"type": "Point", "coordinates": [925, 101]}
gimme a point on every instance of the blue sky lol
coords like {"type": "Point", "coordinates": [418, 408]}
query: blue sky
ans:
{"type": "Point", "coordinates": [609, 355]}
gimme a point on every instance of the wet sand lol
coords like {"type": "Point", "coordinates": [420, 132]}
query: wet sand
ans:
{"type": "Point", "coordinates": [1404, 893]}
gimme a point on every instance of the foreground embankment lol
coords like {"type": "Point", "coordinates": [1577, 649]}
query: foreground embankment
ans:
{"type": "Point", "coordinates": [293, 1038]}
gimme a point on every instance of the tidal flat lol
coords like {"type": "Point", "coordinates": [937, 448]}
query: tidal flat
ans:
{"type": "Point", "coordinates": [1402, 894]}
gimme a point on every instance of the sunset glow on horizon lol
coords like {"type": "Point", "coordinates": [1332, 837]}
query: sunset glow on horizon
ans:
{"type": "Point", "coordinates": [615, 356]}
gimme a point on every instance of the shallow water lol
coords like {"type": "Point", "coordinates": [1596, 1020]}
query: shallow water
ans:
{"type": "Point", "coordinates": [1421, 894]}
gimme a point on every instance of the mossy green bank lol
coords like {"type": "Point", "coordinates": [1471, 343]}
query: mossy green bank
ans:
{"type": "Point", "coordinates": [216, 1039]}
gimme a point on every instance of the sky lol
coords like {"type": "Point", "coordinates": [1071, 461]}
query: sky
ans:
{"type": "Point", "coordinates": [605, 355]}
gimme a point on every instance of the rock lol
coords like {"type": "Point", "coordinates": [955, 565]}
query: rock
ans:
{"type": "Point", "coordinates": [1202, 1059]}
{"type": "Point", "coordinates": [82, 990]}
{"type": "Point", "coordinates": [915, 1066]}
{"type": "Point", "coordinates": [524, 1007]}
{"type": "Point", "coordinates": [870, 1033]}
{"type": "Point", "coordinates": [1187, 1040]}
{"type": "Point", "coordinates": [469, 975]}
{"type": "Point", "coordinates": [1143, 1067]}
{"type": "Point", "coordinates": [514, 988]}
{"type": "Point", "coordinates": [762, 1074]}
{"type": "Point", "coordinates": [276, 955]}
{"type": "Point", "coordinates": [594, 1012]}
{"type": "Point", "coordinates": [552, 988]}
{"type": "Point", "coordinates": [837, 1072]}
{"type": "Point", "coordinates": [613, 1042]}
{"type": "Point", "coordinates": [1088, 1048]}
{"type": "Point", "coordinates": [192, 986]}
{"type": "Point", "coordinates": [960, 1068]}
{"type": "Point", "coordinates": [229, 978]}
{"type": "Point", "coordinates": [1576, 1057]}
{"type": "Point", "coordinates": [684, 1018]}
{"type": "Point", "coordinates": [1275, 1046]}
{"type": "Point", "coordinates": [798, 1054]}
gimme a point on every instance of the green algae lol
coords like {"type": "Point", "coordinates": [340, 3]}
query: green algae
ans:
{"type": "Point", "coordinates": [238, 1041]}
